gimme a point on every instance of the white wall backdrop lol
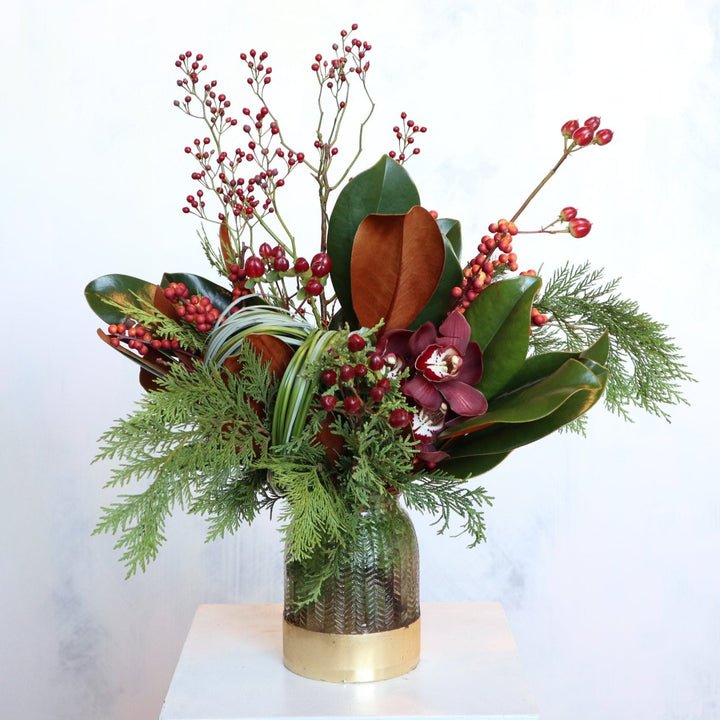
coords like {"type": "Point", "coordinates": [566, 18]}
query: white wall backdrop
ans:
{"type": "Point", "coordinates": [604, 551]}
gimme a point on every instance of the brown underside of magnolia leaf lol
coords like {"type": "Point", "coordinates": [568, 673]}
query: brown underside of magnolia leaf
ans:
{"type": "Point", "coordinates": [271, 350]}
{"type": "Point", "coordinates": [226, 245]}
{"type": "Point", "coordinates": [396, 264]}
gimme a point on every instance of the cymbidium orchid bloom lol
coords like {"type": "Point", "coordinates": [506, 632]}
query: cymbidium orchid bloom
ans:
{"type": "Point", "coordinates": [445, 365]}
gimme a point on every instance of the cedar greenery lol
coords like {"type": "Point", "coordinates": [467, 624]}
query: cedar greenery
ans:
{"type": "Point", "coordinates": [646, 368]}
{"type": "Point", "coordinates": [201, 442]}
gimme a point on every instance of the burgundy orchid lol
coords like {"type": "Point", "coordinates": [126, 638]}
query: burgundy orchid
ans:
{"type": "Point", "coordinates": [446, 365]}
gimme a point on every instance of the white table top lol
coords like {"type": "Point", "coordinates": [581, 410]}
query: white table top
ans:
{"type": "Point", "coordinates": [231, 668]}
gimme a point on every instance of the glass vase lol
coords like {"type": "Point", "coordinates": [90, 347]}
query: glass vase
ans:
{"type": "Point", "coordinates": [365, 624]}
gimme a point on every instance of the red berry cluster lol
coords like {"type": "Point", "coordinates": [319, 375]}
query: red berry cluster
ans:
{"type": "Point", "coordinates": [139, 338]}
{"type": "Point", "coordinates": [478, 273]}
{"type": "Point", "coordinates": [269, 259]}
{"type": "Point", "coordinates": [587, 133]}
{"type": "Point", "coordinates": [354, 382]}
{"type": "Point", "coordinates": [195, 309]}
{"type": "Point", "coordinates": [405, 133]}
{"type": "Point", "coordinates": [259, 72]}
{"type": "Point", "coordinates": [349, 58]}
{"type": "Point", "coordinates": [218, 171]}
{"type": "Point", "coordinates": [215, 104]}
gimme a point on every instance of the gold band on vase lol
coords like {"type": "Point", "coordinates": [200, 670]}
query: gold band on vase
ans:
{"type": "Point", "coordinates": [351, 658]}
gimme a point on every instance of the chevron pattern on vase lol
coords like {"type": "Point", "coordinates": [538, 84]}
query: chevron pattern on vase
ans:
{"type": "Point", "coordinates": [376, 588]}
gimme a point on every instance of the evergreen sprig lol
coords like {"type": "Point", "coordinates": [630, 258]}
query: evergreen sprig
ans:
{"type": "Point", "coordinates": [645, 366]}
{"type": "Point", "coordinates": [162, 326]}
{"type": "Point", "coordinates": [444, 496]}
{"type": "Point", "coordinates": [196, 438]}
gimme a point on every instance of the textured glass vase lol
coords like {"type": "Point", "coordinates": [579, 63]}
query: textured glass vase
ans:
{"type": "Point", "coordinates": [366, 623]}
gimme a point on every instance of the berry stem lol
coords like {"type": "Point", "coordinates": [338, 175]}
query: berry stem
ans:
{"type": "Point", "coordinates": [542, 183]}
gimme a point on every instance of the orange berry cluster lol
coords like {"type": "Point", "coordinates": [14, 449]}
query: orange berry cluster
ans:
{"type": "Point", "coordinates": [139, 338]}
{"type": "Point", "coordinates": [478, 273]}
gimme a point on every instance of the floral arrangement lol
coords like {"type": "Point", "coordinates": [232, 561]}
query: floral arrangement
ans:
{"type": "Point", "coordinates": [380, 364]}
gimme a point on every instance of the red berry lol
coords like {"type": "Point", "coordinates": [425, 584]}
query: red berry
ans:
{"type": "Point", "coordinates": [328, 377]}
{"type": "Point", "coordinates": [314, 287]}
{"type": "Point", "coordinates": [352, 404]}
{"type": "Point", "coordinates": [603, 137]}
{"type": "Point", "coordinates": [281, 264]}
{"type": "Point", "coordinates": [361, 370]}
{"type": "Point", "coordinates": [375, 361]}
{"type": "Point", "coordinates": [347, 372]}
{"type": "Point", "coordinates": [568, 213]}
{"type": "Point", "coordinates": [583, 136]}
{"type": "Point", "coordinates": [569, 128]}
{"type": "Point", "coordinates": [301, 265]}
{"type": "Point", "coordinates": [377, 393]}
{"type": "Point", "coordinates": [356, 343]}
{"type": "Point", "coordinates": [254, 267]}
{"type": "Point", "coordinates": [328, 402]}
{"type": "Point", "coordinates": [321, 264]}
{"type": "Point", "coordinates": [579, 227]}
{"type": "Point", "coordinates": [593, 123]}
{"type": "Point", "coordinates": [399, 418]}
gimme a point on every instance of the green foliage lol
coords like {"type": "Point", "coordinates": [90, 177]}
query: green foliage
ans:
{"type": "Point", "coordinates": [499, 318]}
{"type": "Point", "coordinates": [645, 366]}
{"type": "Point", "coordinates": [444, 496]}
{"type": "Point", "coordinates": [196, 439]}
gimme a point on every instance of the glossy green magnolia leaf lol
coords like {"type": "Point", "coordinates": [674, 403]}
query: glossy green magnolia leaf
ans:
{"type": "Point", "coordinates": [500, 322]}
{"type": "Point", "coordinates": [385, 188]}
{"type": "Point", "coordinates": [397, 262]}
{"type": "Point", "coordinates": [221, 297]}
{"type": "Point", "coordinates": [105, 292]}
{"type": "Point", "coordinates": [451, 230]}
{"type": "Point", "coordinates": [442, 301]}
{"type": "Point", "coordinates": [537, 367]}
{"type": "Point", "coordinates": [505, 437]}
{"type": "Point", "coordinates": [535, 400]}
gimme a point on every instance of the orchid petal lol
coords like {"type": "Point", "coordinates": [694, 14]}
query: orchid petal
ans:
{"type": "Point", "coordinates": [428, 453]}
{"type": "Point", "coordinates": [425, 335]}
{"type": "Point", "coordinates": [423, 392]}
{"type": "Point", "coordinates": [472, 367]}
{"type": "Point", "coordinates": [456, 329]}
{"type": "Point", "coordinates": [464, 399]}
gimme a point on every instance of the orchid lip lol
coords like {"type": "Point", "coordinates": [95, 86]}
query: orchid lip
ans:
{"type": "Point", "coordinates": [439, 363]}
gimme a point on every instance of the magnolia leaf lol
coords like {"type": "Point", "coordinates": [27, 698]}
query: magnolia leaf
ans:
{"type": "Point", "coordinates": [500, 322]}
{"type": "Point", "coordinates": [397, 262]}
{"type": "Point", "coordinates": [505, 437]}
{"type": "Point", "coordinates": [155, 362]}
{"type": "Point", "coordinates": [384, 188]}
{"type": "Point", "coordinates": [273, 351]}
{"type": "Point", "coordinates": [451, 230]}
{"type": "Point", "coordinates": [106, 293]}
{"type": "Point", "coordinates": [442, 300]}
{"type": "Point", "coordinates": [536, 400]}
{"type": "Point", "coordinates": [537, 367]}
{"type": "Point", "coordinates": [226, 246]}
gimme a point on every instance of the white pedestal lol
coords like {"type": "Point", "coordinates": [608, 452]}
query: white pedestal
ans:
{"type": "Point", "coordinates": [231, 668]}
